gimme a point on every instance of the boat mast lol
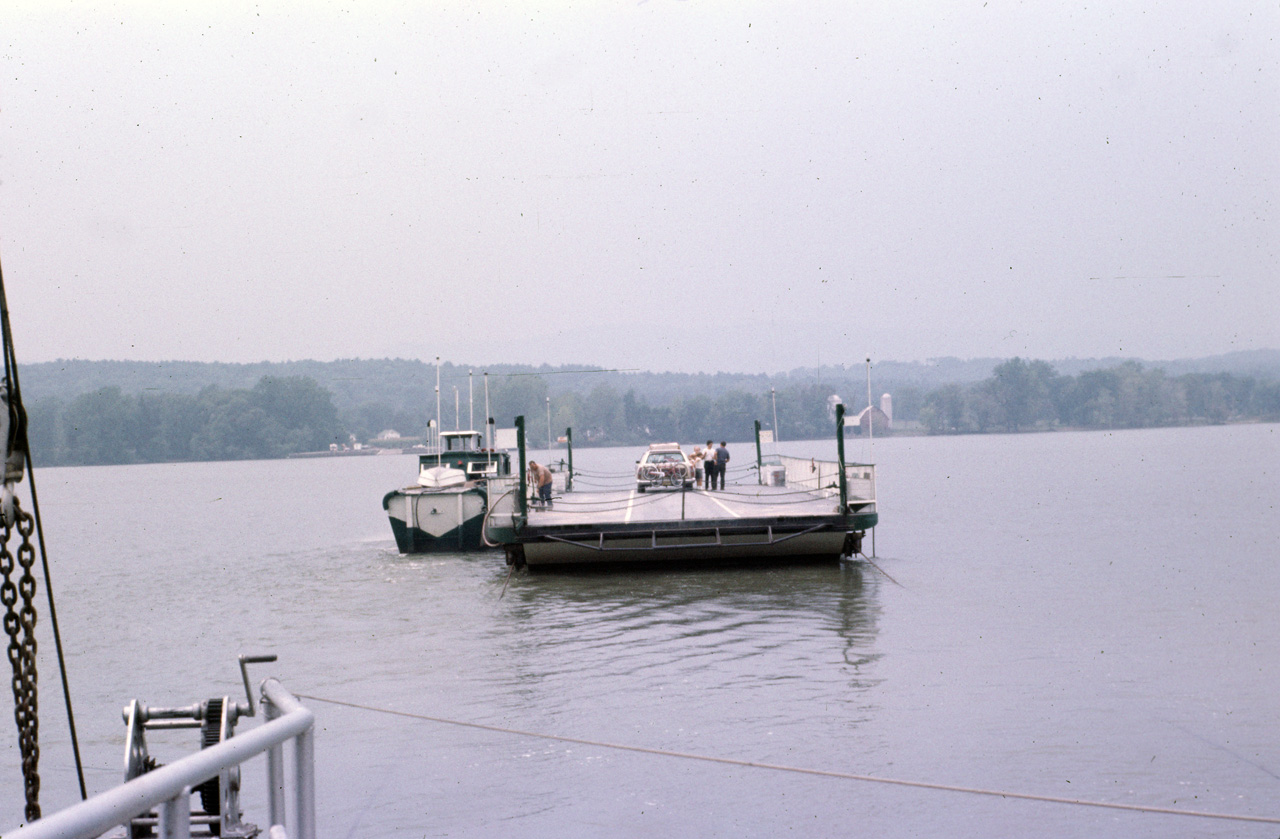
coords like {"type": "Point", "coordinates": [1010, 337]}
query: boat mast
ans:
{"type": "Point", "coordinates": [488, 421]}
{"type": "Point", "coordinates": [871, 420]}
{"type": "Point", "coordinates": [471, 400]}
{"type": "Point", "coordinates": [437, 410]}
{"type": "Point", "coordinates": [774, 396]}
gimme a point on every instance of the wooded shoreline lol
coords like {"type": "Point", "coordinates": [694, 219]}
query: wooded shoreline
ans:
{"type": "Point", "coordinates": [279, 415]}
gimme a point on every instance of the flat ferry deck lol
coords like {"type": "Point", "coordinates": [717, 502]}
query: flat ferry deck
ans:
{"type": "Point", "coordinates": [674, 505]}
{"type": "Point", "coordinates": [797, 516]}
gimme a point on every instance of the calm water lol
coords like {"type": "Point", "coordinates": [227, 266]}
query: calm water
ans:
{"type": "Point", "coordinates": [1085, 615]}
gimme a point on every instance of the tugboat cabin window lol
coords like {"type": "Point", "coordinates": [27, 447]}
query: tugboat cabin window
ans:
{"type": "Point", "coordinates": [460, 441]}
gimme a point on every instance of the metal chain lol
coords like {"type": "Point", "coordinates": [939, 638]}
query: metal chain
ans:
{"type": "Point", "coordinates": [20, 626]}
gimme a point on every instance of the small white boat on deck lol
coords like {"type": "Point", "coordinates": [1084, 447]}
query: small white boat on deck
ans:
{"type": "Point", "coordinates": [445, 509]}
{"type": "Point", "coordinates": [440, 477]}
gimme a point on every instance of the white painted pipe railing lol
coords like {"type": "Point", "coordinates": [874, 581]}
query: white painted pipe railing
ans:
{"type": "Point", "coordinates": [169, 787]}
{"type": "Point", "coordinates": [823, 476]}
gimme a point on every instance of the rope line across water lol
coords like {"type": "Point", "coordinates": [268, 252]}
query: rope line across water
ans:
{"type": "Point", "coordinates": [848, 776]}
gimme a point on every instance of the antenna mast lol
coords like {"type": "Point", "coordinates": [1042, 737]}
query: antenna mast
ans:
{"type": "Point", "coordinates": [871, 420]}
{"type": "Point", "coordinates": [438, 417]}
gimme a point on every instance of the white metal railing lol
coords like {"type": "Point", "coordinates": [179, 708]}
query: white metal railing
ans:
{"type": "Point", "coordinates": [169, 788]}
{"type": "Point", "coordinates": [860, 478]}
{"type": "Point", "coordinates": [500, 484]}
{"type": "Point", "coordinates": [824, 476]}
{"type": "Point", "coordinates": [500, 517]}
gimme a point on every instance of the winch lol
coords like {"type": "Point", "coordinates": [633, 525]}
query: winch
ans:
{"type": "Point", "coordinates": [216, 718]}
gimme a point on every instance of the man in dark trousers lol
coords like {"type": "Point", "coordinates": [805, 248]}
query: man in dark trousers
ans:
{"type": "Point", "coordinates": [722, 462]}
{"type": "Point", "coordinates": [709, 464]}
{"type": "Point", "coordinates": [540, 480]}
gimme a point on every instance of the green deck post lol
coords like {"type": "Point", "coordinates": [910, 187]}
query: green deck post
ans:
{"type": "Point", "coordinates": [568, 479]}
{"type": "Point", "coordinates": [522, 503]}
{"type": "Point", "coordinates": [844, 485]}
{"type": "Point", "coordinates": [759, 456]}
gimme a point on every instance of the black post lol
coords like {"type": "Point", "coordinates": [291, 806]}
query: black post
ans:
{"type": "Point", "coordinates": [568, 479]}
{"type": "Point", "coordinates": [759, 456]}
{"type": "Point", "coordinates": [522, 504]}
{"type": "Point", "coordinates": [488, 433]}
{"type": "Point", "coordinates": [844, 485]}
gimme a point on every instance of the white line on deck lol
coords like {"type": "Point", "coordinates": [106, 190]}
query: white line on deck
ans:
{"type": "Point", "coordinates": [722, 506]}
{"type": "Point", "coordinates": [631, 499]}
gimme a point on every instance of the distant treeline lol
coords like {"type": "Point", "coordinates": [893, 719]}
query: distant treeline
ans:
{"type": "Point", "coordinates": [276, 417]}
{"type": "Point", "coordinates": [1031, 395]}
{"type": "Point", "coordinates": [409, 384]}
{"type": "Point", "coordinates": [280, 415]}
{"type": "Point", "coordinates": [1018, 396]}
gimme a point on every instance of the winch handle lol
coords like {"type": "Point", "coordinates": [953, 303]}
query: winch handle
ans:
{"type": "Point", "coordinates": [244, 674]}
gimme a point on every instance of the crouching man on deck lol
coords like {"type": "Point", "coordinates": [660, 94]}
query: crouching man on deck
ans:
{"type": "Point", "coordinates": [540, 479]}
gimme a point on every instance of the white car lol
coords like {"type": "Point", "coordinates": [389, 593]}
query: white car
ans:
{"type": "Point", "coordinates": [664, 465]}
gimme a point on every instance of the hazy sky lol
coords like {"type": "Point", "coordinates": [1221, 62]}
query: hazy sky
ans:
{"type": "Point", "coordinates": [739, 186]}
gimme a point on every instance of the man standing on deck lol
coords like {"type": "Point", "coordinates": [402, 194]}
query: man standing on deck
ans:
{"type": "Point", "coordinates": [709, 464]}
{"type": "Point", "coordinates": [540, 480]}
{"type": "Point", "coordinates": [722, 462]}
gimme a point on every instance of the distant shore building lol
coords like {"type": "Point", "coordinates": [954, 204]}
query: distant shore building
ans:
{"type": "Point", "coordinates": [880, 419]}
{"type": "Point", "coordinates": [876, 420]}
{"type": "Point", "coordinates": [872, 420]}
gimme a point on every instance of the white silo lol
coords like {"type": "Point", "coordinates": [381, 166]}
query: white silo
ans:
{"type": "Point", "coordinates": [886, 405]}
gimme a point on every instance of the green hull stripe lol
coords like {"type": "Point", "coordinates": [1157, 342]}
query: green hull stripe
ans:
{"type": "Point", "coordinates": [411, 540]}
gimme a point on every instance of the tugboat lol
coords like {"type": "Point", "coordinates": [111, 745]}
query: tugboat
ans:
{"type": "Point", "coordinates": [445, 510]}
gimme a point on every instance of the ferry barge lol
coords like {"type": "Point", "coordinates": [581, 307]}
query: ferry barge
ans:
{"type": "Point", "coordinates": [790, 510]}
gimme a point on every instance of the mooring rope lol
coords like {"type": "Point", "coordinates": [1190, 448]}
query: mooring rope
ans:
{"type": "Point", "coordinates": [778, 767]}
{"type": "Point", "coordinates": [881, 570]}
